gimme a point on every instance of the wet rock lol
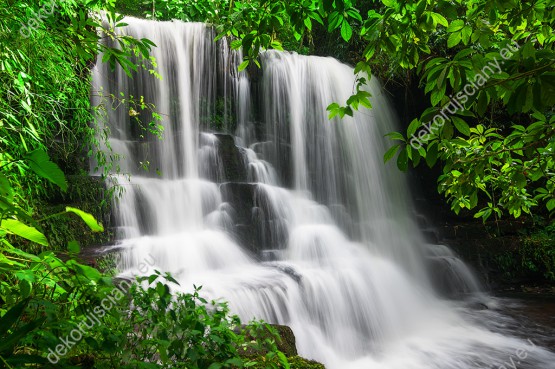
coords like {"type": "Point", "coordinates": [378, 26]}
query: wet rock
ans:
{"type": "Point", "coordinates": [448, 276]}
{"type": "Point", "coordinates": [234, 166]}
{"type": "Point", "coordinates": [257, 225]}
{"type": "Point", "coordinates": [286, 343]}
{"type": "Point", "coordinates": [241, 196]}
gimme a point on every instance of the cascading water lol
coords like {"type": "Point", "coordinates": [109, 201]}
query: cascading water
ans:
{"type": "Point", "coordinates": [303, 225]}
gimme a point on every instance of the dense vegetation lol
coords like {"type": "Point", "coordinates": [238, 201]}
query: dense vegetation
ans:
{"type": "Point", "coordinates": [54, 310]}
{"type": "Point", "coordinates": [487, 66]}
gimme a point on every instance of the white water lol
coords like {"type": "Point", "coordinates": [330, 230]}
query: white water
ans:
{"type": "Point", "coordinates": [315, 232]}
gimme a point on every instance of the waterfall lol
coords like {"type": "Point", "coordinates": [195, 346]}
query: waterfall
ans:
{"type": "Point", "coordinates": [290, 217]}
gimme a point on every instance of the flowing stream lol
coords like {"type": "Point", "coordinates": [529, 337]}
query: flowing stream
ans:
{"type": "Point", "coordinates": [290, 217]}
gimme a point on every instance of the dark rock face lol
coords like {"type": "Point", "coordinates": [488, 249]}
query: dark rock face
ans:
{"type": "Point", "coordinates": [286, 343]}
{"type": "Point", "coordinates": [490, 249]}
{"type": "Point", "coordinates": [234, 166]}
{"type": "Point", "coordinates": [241, 198]}
{"type": "Point", "coordinates": [447, 276]}
{"type": "Point", "coordinates": [258, 227]}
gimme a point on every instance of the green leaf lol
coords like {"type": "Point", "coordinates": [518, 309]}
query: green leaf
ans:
{"type": "Point", "coordinates": [413, 126]}
{"type": "Point", "coordinates": [395, 136]}
{"type": "Point", "coordinates": [22, 230]}
{"type": "Point", "coordinates": [520, 180]}
{"type": "Point", "coordinates": [12, 316]}
{"type": "Point", "coordinates": [88, 272]}
{"type": "Point", "coordinates": [440, 19]}
{"type": "Point", "coordinates": [73, 247]}
{"type": "Point", "coordinates": [243, 65]}
{"type": "Point", "coordinates": [236, 44]}
{"type": "Point", "coordinates": [431, 155]}
{"type": "Point", "coordinates": [466, 32]}
{"type": "Point", "coordinates": [447, 130]}
{"type": "Point", "coordinates": [277, 45]}
{"type": "Point", "coordinates": [283, 360]}
{"type": "Point", "coordinates": [346, 30]}
{"type": "Point", "coordinates": [6, 191]}
{"type": "Point", "coordinates": [25, 288]}
{"type": "Point", "coordinates": [461, 126]}
{"type": "Point", "coordinates": [454, 39]}
{"type": "Point", "coordinates": [40, 163]}
{"type": "Point", "coordinates": [308, 24]}
{"type": "Point", "coordinates": [455, 26]}
{"type": "Point", "coordinates": [87, 218]}
{"type": "Point", "coordinates": [390, 153]}
{"type": "Point", "coordinates": [402, 160]}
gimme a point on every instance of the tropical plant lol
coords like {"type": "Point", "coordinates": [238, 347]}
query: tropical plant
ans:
{"type": "Point", "coordinates": [489, 69]}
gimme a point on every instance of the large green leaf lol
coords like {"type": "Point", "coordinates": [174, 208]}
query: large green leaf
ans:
{"type": "Point", "coordinates": [6, 192]}
{"type": "Point", "coordinates": [461, 125]}
{"type": "Point", "coordinates": [14, 338]}
{"type": "Point", "coordinates": [87, 218]}
{"type": "Point", "coordinates": [390, 153]}
{"type": "Point", "coordinates": [18, 228]}
{"type": "Point", "coordinates": [346, 30]}
{"type": "Point", "coordinates": [12, 316]}
{"type": "Point", "coordinates": [40, 163]}
{"type": "Point", "coordinates": [402, 160]}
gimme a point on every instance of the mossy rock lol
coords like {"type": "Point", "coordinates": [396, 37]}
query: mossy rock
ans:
{"type": "Point", "coordinates": [85, 193]}
{"type": "Point", "coordinates": [298, 362]}
{"type": "Point", "coordinates": [295, 362]}
{"type": "Point", "coordinates": [287, 343]}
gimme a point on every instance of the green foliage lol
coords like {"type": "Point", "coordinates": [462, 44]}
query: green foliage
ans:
{"type": "Point", "coordinates": [488, 67]}
{"type": "Point", "coordinates": [46, 51]}
{"type": "Point", "coordinates": [296, 362]}
{"type": "Point", "coordinates": [535, 256]}
{"type": "Point", "coordinates": [144, 326]}
{"type": "Point", "coordinates": [41, 295]}
{"type": "Point", "coordinates": [156, 328]}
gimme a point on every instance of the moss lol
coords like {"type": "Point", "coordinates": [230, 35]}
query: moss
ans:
{"type": "Point", "coordinates": [533, 259]}
{"type": "Point", "coordinates": [85, 193]}
{"type": "Point", "coordinates": [286, 343]}
{"type": "Point", "coordinates": [296, 362]}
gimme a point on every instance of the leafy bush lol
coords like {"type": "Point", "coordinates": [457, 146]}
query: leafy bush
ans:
{"type": "Point", "coordinates": [538, 252]}
{"type": "Point", "coordinates": [534, 256]}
